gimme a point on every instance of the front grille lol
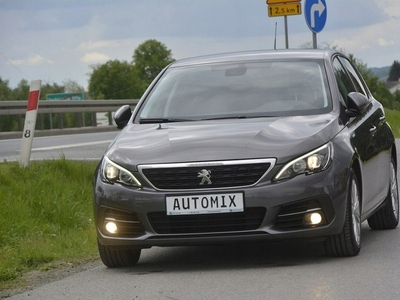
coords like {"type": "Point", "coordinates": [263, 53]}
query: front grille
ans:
{"type": "Point", "coordinates": [291, 216]}
{"type": "Point", "coordinates": [220, 176]}
{"type": "Point", "coordinates": [127, 222]}
{"type": "Point", "coordinates": [250, 219]}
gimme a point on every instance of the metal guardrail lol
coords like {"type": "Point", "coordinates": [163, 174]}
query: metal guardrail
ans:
{"type": "Point", "coordinates": [18, 108]}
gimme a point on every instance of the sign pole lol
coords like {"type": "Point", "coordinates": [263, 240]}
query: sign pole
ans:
{"type": "Point", "coordinates": [284, 8]}
{"type": "Point", "coordinates": [286, 33]}
{"type": "Point", "coordinates": [315, 14]}
{"type": "Point", "coordinates": [315, 44]}
{"type": "Point", "coordinates": [30, 123]}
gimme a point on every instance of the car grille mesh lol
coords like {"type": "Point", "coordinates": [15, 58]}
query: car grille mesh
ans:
{"type": "Point", "coordinates": [250, 219]}
{"type": "Point", "coordinates": [221, 176]}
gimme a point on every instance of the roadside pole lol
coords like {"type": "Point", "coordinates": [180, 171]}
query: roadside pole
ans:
{"type": "Point", "coordinates": [286, 33]}
{"type": "Point", "coordinates": [30, 123]}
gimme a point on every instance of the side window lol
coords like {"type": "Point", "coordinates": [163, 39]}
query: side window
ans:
{"type": "Point", "coordinates": [358, 83]}
{"type": "Point", "coordinates": [345, 84]}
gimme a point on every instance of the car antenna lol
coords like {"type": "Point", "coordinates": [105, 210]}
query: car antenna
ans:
{"type": "Point", "coordinates": [276, 26]}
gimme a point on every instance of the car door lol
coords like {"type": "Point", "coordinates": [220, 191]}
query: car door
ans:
{"type": "Point", "coordinates": [366, 138]}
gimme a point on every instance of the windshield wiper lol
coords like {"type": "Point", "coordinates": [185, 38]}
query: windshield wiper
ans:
{"type": "Point", "coordinates": [161, 120]}
{"type": "Point", "coordinates": [236, 117]}
{"type": "Point", "coordinates": [223, 118]}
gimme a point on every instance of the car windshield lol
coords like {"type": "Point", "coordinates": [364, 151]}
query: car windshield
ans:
{"type": "Point", "coordinates": [238, 90]}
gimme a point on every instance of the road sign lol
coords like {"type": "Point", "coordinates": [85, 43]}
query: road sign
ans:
{"type": "Point", "coordinates": [315, 14]}
{"type": "Point", "coordinates": [284, 10]}
{"type": "Point", "coordinates": [65, 96]}
{"type": "Point", "coordinates": [281, 1]}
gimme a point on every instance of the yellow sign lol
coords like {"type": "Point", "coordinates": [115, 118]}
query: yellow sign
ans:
{"type": "Point", "coordinates": [284, 10]}
{"type": "Point", "coordinates": [281, 1]}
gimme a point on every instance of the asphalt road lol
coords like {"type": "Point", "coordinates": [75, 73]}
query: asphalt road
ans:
{"type": "Point", "coordinates": [273, 270]}
{"type": "Point", "coordinates": [269, 270]}
{"type": "Point", "coordinates": [86, 146]}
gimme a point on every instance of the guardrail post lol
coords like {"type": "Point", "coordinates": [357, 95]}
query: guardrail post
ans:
{"type": "Point", "coordinates": [94, 120]}
{"type": "Point", "coordinates": [109, 118]}
{"type": "Point", "coordinates": [41, 121]}
{"type": "Point", "coordinates": [78, 119]}
{"type": "Point", "coordinates": [20, 123]}
{"type": "Point", "coordinates": [60, 121]}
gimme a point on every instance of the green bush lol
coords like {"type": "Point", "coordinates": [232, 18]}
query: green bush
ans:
{"type": "Point", "coordinates": [393, 118]}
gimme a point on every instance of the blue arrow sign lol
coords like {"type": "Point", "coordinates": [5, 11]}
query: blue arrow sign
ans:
{"type": "Point", "coordinates": [315, 13]}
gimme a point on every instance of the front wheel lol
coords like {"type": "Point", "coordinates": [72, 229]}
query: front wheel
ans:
{"type": "Point", "coordinates": [388, 216]}
{"type": "Point", "coordinates": [113, 257]}
{"type": "Point", "coordinates": [348, 242]}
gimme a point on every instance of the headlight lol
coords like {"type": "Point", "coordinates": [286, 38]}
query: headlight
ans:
{"type": "Point", "coordinates": [111, 172]}
{"type": "Point", "coordinates": [310, 163]}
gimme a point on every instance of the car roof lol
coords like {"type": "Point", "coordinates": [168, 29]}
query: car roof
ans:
{"type": "Point", "coordinates": [256, 55]}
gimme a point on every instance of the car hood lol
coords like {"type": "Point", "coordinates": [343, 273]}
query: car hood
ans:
{"type": "Point", "coordinates": [199, 141]}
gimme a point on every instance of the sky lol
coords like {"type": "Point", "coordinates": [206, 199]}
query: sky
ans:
{"type": "Point", "coordinates": [61, 40]}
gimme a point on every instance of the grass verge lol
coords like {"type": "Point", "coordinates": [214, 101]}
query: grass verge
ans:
{"type": "Point", "coordinates": [45, 216]}
{"type": "Point", "coordinates": [393, 118]}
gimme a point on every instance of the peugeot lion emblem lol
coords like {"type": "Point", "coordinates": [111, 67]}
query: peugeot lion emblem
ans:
{"type": "Point", "coordinates": [205, 176]}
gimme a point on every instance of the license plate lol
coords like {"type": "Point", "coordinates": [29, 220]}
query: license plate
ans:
{"type": "Point", "coordinates": [205, 204]}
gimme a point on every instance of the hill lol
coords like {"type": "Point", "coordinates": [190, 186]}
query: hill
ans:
{"type": "Point", "coordinates": [382, 72]}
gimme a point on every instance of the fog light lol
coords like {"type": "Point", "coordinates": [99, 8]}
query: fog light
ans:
{"type": "Point", "coordinates": [314, 218]}
{"type": "Point", "coordinates": [111, 227]}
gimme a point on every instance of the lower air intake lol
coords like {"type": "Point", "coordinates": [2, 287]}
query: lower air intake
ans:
{"type": "Point", "coordinates": [250, 219]}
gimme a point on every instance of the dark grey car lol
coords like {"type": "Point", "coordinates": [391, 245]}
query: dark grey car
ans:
{"type": "Point", "coordinates": [248, 146]}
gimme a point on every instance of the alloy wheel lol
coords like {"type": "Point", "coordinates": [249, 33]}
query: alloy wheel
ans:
{"type": "Point", "coordinates": [355, 212]}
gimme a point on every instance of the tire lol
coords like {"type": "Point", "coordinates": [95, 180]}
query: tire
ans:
{"type": "Point", "coordinates": [348, 242]}
{"type": "Point", "coordinates": [114, 257]}
{"type": "Point", "coordinates": [388, 216]}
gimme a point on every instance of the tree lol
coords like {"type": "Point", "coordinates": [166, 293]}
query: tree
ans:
{"type": "Point", "coordinates": [376, 86]}
{"type": "Point", "coordinates": [71, 86]}
{"type": "Point", "coordinates": [150, 58]}
{"type": "Point", "coordinates": [310, 45]}
{"type": "Point", "coordinates": [7, 122]}
{"type": "Point", "coordinates": [21, 92]}
{"type": "Point", "coordinates": [48, 88]}
{"type": "Point", "coordinates": [122, 80]}
{"type": "Point", "coordinates": [394, 74]}
{"type": "Point", "coordinates": [5, 91]}
{"type": "Point", "coordinates": [396, 100]}
{"type": "Point", "coordinates": [114, 80]}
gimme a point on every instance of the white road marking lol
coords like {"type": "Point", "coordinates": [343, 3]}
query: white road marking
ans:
{"type": "Point", "coordinates": [71, 146]}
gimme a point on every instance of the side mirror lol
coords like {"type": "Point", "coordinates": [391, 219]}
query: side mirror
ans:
{"type": "Point", "coordinates": [122, 116]}
{"type": "Point", "coordinates": [357, 103]}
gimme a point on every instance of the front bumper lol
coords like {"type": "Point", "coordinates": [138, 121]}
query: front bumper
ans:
{"type": "Point", "coordinates": [272, 211]}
